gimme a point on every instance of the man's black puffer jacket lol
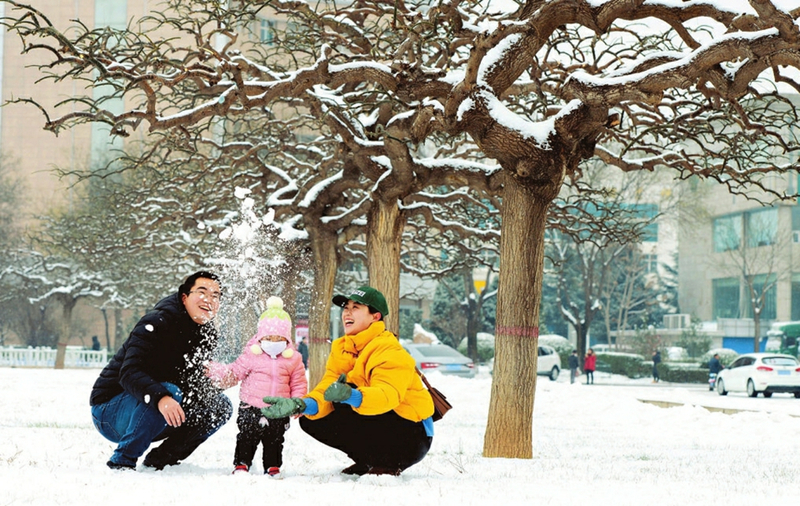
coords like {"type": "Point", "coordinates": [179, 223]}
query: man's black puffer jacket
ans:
{"type": "Point", "coordinates": [165, 346]}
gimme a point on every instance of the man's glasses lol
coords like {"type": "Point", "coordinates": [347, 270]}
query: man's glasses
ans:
{"type": "Point", "coordinates": [206, 295]}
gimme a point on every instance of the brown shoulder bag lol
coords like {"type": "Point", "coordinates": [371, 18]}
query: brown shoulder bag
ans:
{"type": "Point", "coordinates": [440, 404]}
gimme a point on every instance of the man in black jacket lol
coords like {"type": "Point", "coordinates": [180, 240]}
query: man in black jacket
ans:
{"type": "Point", "coordinates": [155, 388]}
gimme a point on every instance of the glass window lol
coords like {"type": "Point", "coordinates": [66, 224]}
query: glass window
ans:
{"type": "Point", "coordinates": [727, 232]}
{"type": "Point", "coordinates": [650, 263]}
{"type": "Point", "coordinates": [726, 297]}
{"type": "Point", "coordinates": [779, 361]}
{"type": "Point", "coordinates": [648, 213]}
{"type": "Point", "coordinates": [267, 31]}
{"type": "Point", "coordinates": [762, 227]}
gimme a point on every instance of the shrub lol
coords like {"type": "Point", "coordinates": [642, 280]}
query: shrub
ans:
{"type": "Point", "coordinates": [626, 364]}
{"type": "Point", "coordinates": [683, 373]}
{"type": "Point", "coordinates": [485, 347]}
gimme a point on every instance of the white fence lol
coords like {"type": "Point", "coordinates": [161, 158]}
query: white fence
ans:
{"type": "Point", "coordinates": [76, 356]}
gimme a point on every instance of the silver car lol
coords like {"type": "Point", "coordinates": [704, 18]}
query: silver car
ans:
{"type": "Point", "coordinates": [442, 358]}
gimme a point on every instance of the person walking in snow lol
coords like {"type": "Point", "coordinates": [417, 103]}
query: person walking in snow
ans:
{"type": "Point", "coordinates": [656, 361]}
{"type": "Point", "coordinates": [572, 362]}
{"type": "Point", "coordinates": [153, 388]}
{"type": "Point", "coordinates": [714, 367]}
{"type": "Point", "coordinates": [371, 403]}
{"type": "Point", "coordinates": [589, 363]}
{"type": "Point", "coordinates": [302, 347]}
{"type": "Point", "coordinates": [268, 366]}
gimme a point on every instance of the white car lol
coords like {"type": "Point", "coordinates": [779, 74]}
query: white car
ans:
{"type": "Point", "coordinates": [764, 373]}
{"type": "Point", "coordinates": [548, 363]}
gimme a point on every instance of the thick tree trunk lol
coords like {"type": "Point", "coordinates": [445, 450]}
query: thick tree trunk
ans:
{"type": "Point", "coordinates": [509, 430]}
{"type": "Point", "coordinates": [63, 331]}
{"type": "Point", "coordinates": [384, 236]}
{"type": "Point", "coordinates": [323, 245]}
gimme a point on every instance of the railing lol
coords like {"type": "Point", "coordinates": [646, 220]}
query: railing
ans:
{"type": "Point", "coordinates": [46, 357]}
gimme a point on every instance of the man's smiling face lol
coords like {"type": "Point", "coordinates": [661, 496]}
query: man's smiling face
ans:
{"type": "Point", "coordinates": [202, 301]}
{"type": "Point", "coordinates": [356, 317]}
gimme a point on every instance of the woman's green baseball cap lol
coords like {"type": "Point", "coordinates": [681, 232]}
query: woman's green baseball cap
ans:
{"type": "Point", "coordinates": [365, 295]}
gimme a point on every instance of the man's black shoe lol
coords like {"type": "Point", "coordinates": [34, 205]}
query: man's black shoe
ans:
{"type": "Point", "coordinates": [120, 467]}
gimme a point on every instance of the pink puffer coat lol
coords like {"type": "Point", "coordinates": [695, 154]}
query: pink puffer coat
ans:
{"type": "Point", "coordinates": [261, 375]}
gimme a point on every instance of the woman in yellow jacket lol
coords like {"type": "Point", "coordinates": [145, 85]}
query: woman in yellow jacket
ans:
{"type": "Point", "coordinates": [370, 403]}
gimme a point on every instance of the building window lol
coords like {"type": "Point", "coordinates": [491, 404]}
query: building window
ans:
{"type": "Point", "coordinates": [727, 232]}
{"type": "Point", "coordinates": [726, 297]}
{"type": "Point", "coordinates": [266, 32]}
{"type": "Point", "coordinates": [762, 227]}
{"type": "Point", "coordinates": [648, 213]}
{"type": "Point", "coordinates": [650, 263]}
{"type": "Point", "coordinates": [769, 310]}
{"type": "Point", "coordinates": [796, 223]}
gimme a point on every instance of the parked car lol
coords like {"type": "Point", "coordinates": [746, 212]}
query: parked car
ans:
{"type": "Point", "coordinates": [764, 373]}
{"type": "Point", "coordinates": [548, 364]}
{"type": "Point", "coordinates": [442, 358]}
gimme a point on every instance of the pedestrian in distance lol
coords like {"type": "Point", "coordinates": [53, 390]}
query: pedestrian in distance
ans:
{"type": "Point", "coordinates": [589, 363]}
{"type": "Point", "coordinates": [573, 364]}
{"type": "Point", "coordinates": [95, 344]}
{"type": "Point", "coordinates": [268, 366]}
{"type": "Point", "coordinates": [371, 403]}
{"type": "Point", "coordinates": [154, 388]}
{"type": "Point", "coordinates": [656, 361]}
{"type": "Point", "coordinates": [714, 367]}
{"type": "Point", "coordinates": [302, 347]}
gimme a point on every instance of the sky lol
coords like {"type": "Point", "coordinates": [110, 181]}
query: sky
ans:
{"type": "Point", "coordinates": [593, 444]}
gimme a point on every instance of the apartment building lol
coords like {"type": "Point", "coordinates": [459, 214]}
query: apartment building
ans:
{"type": "Point", "coordinates": [737, 258]}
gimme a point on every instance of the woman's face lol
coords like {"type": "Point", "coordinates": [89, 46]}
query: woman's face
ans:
{"type": "Point", "coordinates": [357, 318]}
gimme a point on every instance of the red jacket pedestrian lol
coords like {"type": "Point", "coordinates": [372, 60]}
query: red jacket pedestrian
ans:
{"type": "Point", "coordinates": [589, 363]}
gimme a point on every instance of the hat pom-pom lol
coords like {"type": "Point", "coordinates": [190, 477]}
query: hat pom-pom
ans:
{"type": "Point", "coordinates": [274, 302]}
{"type": "Point", "coordinates": [256, 349]}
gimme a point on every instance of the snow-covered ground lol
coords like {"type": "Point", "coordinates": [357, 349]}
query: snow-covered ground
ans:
{"type": "Point", "coordinates": [596, 445]}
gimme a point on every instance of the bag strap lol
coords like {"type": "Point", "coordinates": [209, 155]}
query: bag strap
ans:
{"type": "Point", "coordinates": [424, 379]}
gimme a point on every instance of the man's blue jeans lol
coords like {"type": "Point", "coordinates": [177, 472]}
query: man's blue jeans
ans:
{"type": "Point", "coordinates": [135, 425]}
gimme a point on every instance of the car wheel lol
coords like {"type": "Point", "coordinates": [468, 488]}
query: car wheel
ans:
{"type": "Point", "coordinates": [797, 395]}
{"type": "Point", "coordinates": [554, 373]}
{"type": "Point", "coordinates": [767, 394]}
{"type": "Point", "coordinates": [751, 389]}
{"type": "Point", "coordinates": [721, 387]}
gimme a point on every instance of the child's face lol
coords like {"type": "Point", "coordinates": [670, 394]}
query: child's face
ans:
{"type": "Point", "coordinates": [356, 318]}
{"type": "Point", "coordinates": [274, 339]}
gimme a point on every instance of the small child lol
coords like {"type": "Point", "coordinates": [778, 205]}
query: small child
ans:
{"type": "Point", "coordinates": [268, 366]}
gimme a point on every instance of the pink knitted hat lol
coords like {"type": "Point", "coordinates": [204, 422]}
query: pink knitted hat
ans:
{"type": "Point", "coordinates": [275, 321]}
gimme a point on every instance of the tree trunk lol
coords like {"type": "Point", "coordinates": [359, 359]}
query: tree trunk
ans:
{"type": "Point", "coordinates": [63, 331]}
{"type": "Point", "coordinates": [473, 316]}
{"type": "Point", "coordinates": [509, 430]}
{"type": "Point", "coordinates": [105, 322]}
{"type": "Point", "coordinates": [118, 331]}
{"type": "Point", "coordinates": [323, 245]}
{"type": "Point", "coordinates": [384, 236]}
{"type": "Point", "coordinates": [757, 332]}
